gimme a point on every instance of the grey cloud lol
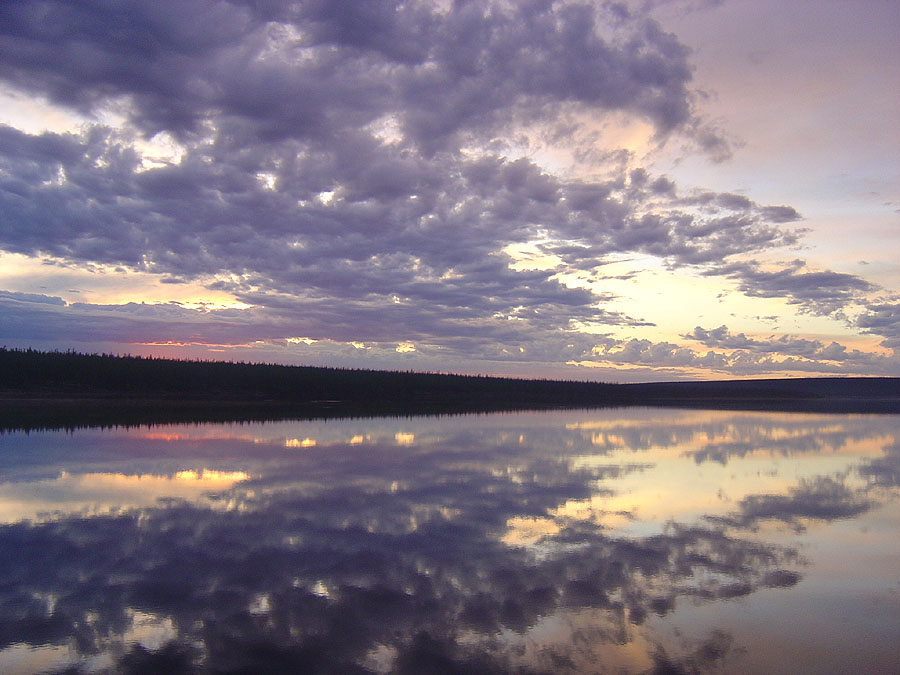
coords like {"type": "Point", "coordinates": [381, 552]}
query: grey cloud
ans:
{"type": "Point", "coordinates": [663, 186]}
{"type": "Point", "coordinates": [882, 318]}
{"type": "Point", "coordinates": [741, 204]}
{"type": "Point", "coordinates": [382, 237]}
{"type": "Point", "coordinates": [822, 292]}
{"type": "Point", "coordinates": [45, 318]}
{"type": "Point", "coordinates": [710, 654]}
{"type": "Point", "coordinates": [82, 55]}
{"type": "Point", "coordinates": [780, 214]}
{"type": "Point", "coordinates": [647, 352]}
{"type": "Point", "coordinates": [737, 354]}
{"type": "Point", "coordinates": [400, 33]}
{"type": "Point", "coordinates": [734, 202]}
{"type": "Point", "coordinates": [883, 471]}
{"type": "Point", "coordinates": [721, 337]}
{"type": "Point", "coordinates": [7, 296]}
{"type": "Point", "coordinates": [822, 498]}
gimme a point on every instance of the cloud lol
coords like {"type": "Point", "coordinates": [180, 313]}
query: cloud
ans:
{"type": "Point", "coordinates": [737, 354]}
{"type": "Point", "coordinates": [822, 292]}
{"type": "Point", "coordinates": [882, 318]}
{"type": "Point", "coordinates": [799, 348]}
{"type": "Point", "coordinates": [43, 318]}
{"type": "Point", "coordinates": [382, 235]}
{"type": "Point", "coordinates": [353, 173]}
{"type": "Point", "coordinates": [295, 71]}
{"type": "Point", "coordinates": [822, 498]}
{"type": "Point", "coordinates": [883, 471]}
{"type": "Point", "coordinates": [272, 328]}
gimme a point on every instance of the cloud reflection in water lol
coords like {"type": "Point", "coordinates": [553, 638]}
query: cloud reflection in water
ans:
{"type": "Point", "coordinates": [545, 542]}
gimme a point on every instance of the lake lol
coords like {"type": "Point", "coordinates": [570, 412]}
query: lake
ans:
{"type": "Point", "coordinates": [621, 540]}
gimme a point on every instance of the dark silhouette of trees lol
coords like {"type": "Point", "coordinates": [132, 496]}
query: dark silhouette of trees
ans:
{"type": "Point", "coordinates": [70, 373]}
{"type": "Point", "coordinates": [73, 389]}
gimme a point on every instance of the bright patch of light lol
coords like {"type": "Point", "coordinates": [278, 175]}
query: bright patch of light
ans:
{"type": "Point", "coordinates": [212, 346]}
{"type": "Point", "coordinates": [35, 116]}
{"type": "Point", "coordinates": [299, 340]}
{"type": "Point", "coordinates": [283, 40]}
{"type": "Point", "coordinates": [405, 348]}
{"type": "Point", "coordinates": [102, 493]}
{"type": "Point", "coordinates": [528, 531]}
{"type": "Point", "coordinates": [528, 256]}
{"type": "Point", "coordinates": [298, 443]}
{"type": "Point", "coordinates": [643, 288]}
{"type": "Point", "coordinates": [59, 179]}
{"type": "Point", "coordinates": [209, 476]}
{"type": "Point", "coordinates": [267, 179]}
{"type": "Point", "coordinates": [386, 129]}
{"type": "Point", "coordinates": [159, 151]}
{"type": "Point", "coordinates": [260, 604]}
{"type": "Point", "coordinates": [149, 630]}
{"type": "Point", "coordinates": [105, 284]}
{"type": "Point", "coordinates": [23, 658]}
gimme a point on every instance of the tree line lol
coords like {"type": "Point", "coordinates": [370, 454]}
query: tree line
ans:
{"type": "Point", "coordinates": [70, 373]}
{"type": "Point", "coordinates": [67, 389]}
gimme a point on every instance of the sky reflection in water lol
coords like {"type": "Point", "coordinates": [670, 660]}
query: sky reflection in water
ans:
{"type": "Point", "coordinates": [627, 540]}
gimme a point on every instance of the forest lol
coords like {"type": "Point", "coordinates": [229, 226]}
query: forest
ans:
{"type": "Point", "coordinates": [62, 389]}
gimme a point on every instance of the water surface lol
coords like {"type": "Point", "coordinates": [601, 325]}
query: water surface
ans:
{"type": "Point", "coordinates": [630, 540]}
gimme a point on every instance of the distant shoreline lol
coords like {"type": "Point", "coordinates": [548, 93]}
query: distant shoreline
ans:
{"type": "Point", "coordinates": [53, 390]}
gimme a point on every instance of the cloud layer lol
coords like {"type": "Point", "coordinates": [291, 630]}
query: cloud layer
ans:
{"type": "Point", "coordinates": [363, 173]}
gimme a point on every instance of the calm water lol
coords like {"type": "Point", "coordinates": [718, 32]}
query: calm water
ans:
{"type": "Point", "coordinates": [603, 541]}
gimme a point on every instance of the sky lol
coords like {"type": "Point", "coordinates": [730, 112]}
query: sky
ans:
{"type": "Point", "coordinates": [635, 191]}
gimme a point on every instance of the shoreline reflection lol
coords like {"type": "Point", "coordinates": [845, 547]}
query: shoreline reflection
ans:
{"type": "Point", "coordinates": [566, 541]}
